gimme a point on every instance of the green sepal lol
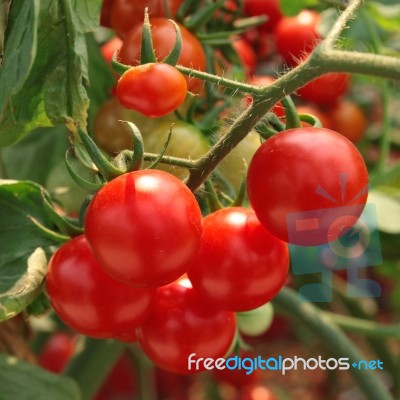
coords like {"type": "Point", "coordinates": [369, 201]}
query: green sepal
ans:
{"type": "Point", "coordinates": [203, 15]}
{"type": "Point", "coordinates": [92, 185]}
{"type": "Point", "coordinates": [106, 168]}
{"type": "Point", "coordinates": [147, 54]}
{"type": "Point", "coordinates": [173, 56]}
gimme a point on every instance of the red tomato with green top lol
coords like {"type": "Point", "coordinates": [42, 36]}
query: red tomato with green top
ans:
{"type": "Point", "coordinates": [164, 36]}
{"type": "Point", "coordinates": [307, 186]}
{"type": "Point", "coordinates": [125, 14]}
{"type": "Point", "coordinates": [87, 299]}
{"type": "Point", "coordinates": [144, 228]}
{"type": "Point", "coordinates": [154, 89]}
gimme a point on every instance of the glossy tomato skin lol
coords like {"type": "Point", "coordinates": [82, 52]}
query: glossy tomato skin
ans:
{"type": "Point", "coordinates": [163, 35]}
{"type": "Point", "coordinates": [87, 299]}
{"type": "Point", "coordinates": [125, 14]}
{"type": "Point", "coordinates": [314, 172]}
{"type": "Point", "coordinates": [144, 228]}
{"type": "Point", "coordinates": [153, 89]}
{"type": "Point", "coordinates": [269, 8]}
{"type": "Point", "coordinates": [326, 89]}
{"type": "Point", "coordinates": [240, 265]}
{"type": "Point", "coordinates": [182, 323]}
{"type": "Point", "coordinates": [297, 36]}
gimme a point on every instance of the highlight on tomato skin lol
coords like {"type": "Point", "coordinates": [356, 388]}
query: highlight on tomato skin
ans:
{"type": "Point", "coordinates": [240, 265]}
{"type": "Point", "coordinates": [161, 86]}
{"type": "Point", "coordinates": [188, 325]}
{"type": "Point", "coordinates": [163, 36]}
{"type": "Point", "coordinates": [144, 227]}
{"type": "Point", "coordinates": [294, 190]}
{"type": "Point", "coordinates": [84, 304]}
{"type": "Point", "coordinates": [297, 36]}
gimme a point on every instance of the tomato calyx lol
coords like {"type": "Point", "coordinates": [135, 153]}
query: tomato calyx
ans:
{"type": "Point", "coordinates": [147, 53]}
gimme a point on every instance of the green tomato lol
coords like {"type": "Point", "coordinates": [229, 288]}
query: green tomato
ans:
{"type": "Point", "coordinates": [186, 142]}
{"type": "Point", "coordinates": [234, 165]}
{"type": "Point", "coordinates": [255, 322]}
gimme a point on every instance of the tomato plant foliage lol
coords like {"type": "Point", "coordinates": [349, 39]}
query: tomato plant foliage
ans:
{"type": "Point", "coordinates": [255, 80]}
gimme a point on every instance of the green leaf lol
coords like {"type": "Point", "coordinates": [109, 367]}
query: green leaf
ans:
{"type": "Point", "coordinates": [23, 246]}
{"type": "Point", "coordinates": [49, 85]}
{"type": "Point", "coordinates": [35, 156]}
{"type": "Point", "coordinates": [388, 209]}
{"type": "Point", "coordinates": [386, 16]}
{"type": "Point", "coordinates": [100, 73]}
{"type": "Point", "coordinates": [23, 381]}
{"type": "Point", "coordinates": [290, 7]}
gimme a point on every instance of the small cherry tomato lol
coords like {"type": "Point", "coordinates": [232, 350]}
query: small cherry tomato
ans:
{"type": "Point", "coordinates": [144, 228]}
{"type": "Point", "coordinates": [110, 47]}
{"type": "Point", "coordinates": [297, 36]}
{"type": "Point", "coordinates": [87, 299]}
{"type": "Point", "coordinates": [153, 89]}
{"type": "Point", "coordinates": [326, 89]}
{"type": "Point", "coordinates": [269, 8]}
{"type": "Point", "coordinates": [349, 120]}
{"type": "Point", "coordinates": [307, 186]}
{"type": "Point", "coordinates": [182, 323]}
{"type": "Point", "coordinates": [57, 351]}
{"type": "Point", "coordinates": [164, 36]}
{"type": "Point", "coordinates": [125, 14]}
{"type": "Point", "coordinates": [246, 54]}
{"type": "Point", "coordinates": [240, 265]}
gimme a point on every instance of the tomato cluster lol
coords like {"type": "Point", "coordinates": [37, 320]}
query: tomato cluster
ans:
{"type": "Point", "coordinates": [150, 266]}
{"type": "Point", "coordinates": [143, 231]}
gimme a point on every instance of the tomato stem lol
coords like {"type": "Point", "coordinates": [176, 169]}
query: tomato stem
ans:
{"type": "Point", "coordinates": [333, 337]}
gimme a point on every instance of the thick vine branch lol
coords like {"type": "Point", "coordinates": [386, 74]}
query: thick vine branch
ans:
{"type": "Point", "coordinates": [334, 338]}
{"type": "Point", "coordinates": [324, 59]}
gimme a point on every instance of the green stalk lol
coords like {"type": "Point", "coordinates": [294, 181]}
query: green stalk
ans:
{"type": "Point", "coordinates": [338, 343]}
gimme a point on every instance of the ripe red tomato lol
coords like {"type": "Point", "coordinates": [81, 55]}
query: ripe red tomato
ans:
{"type": "Point", "coordinates": [246, 54]}
{"type": "Point", "coordinates": [153, 89]}
{"type": "Point", "coordinates": [349, 120]}
{"type": "Point", "coordinates": [125, 14]}
{"type": "Point", "coordinates": [269, 8]}
{"type": "Point", "coordinates": [144, 228]}
{"type": "Point", "coordinates": [240, 265]}
{"type": "Point", "coordinates": [163, 34]}
{"type": "Point", "coordinates": [57, 352]}
{"type": "Point", "coordinates": [110, 47]}
{"type": "Point", "coordinates": [307, 186]}
{"type": "Point", "coordinates": [87, 299]}
{"type": "Point", "coordinates": [182, 323]}
{"type": "Point", "coordinates": [297, 36]}
{"type": "Point", "coordinates": [326, 89]}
